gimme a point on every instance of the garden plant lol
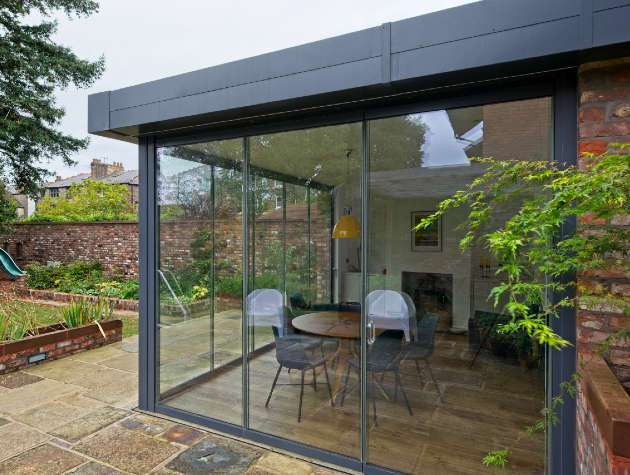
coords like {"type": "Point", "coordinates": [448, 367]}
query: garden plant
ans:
{"type": "Point", "coordinates": [535, 251]}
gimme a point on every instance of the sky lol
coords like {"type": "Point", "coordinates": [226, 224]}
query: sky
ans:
{"type": "Point", "coordinates": [146, 40]}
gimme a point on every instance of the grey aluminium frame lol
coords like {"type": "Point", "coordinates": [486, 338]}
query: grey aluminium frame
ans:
{"type": "Point", "coordinates": [562, 85]}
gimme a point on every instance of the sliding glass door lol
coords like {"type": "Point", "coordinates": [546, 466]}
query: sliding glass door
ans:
{"type": "Point", "coordinates": [285, 257]}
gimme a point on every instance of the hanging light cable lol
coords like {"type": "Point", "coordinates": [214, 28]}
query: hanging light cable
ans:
{"type": "Point", "coordinates": [347, 226]}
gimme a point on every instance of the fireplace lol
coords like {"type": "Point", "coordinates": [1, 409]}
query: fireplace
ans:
{"type": "Point", "coordinates": [431, 293]}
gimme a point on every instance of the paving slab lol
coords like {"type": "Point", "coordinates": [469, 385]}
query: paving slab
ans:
{"type": "Point", "coordinates": [4, 422]}
{"type": "Point", "coordinates": [63, 370]}
{"type": "Point", "coordinates": [43, 460]}
{"type": "Point", "coordinates": [18, 379]}
{"type": "Point", "coordinates": [130, 347]}
{"type": "Point", "coordinates": [33, 395]}
{"type": "Point", "coordinates": [100, 378]}
{"type": "Point", "coordinates": [141, 427]}
{"type": "Point", "coordinates": [94, 468]}
{"type": "Point", "coordinates": [126, 450]}
{"type": "Point", "coordinates": [127, 362]}
{"type": "Point", "coordinates": [284, 464]}
{"type": "Point", "coordinates": [154, 421]}
{"type": "Point", "coordinates": [89, 424]}
{"type": "Point", "coordinates": [183, 435]}
{"type": "Point", "coordinates": [116, 393]}
{"type": "Point", "coordinates": [16, 438]}
{"type": "Point", "coordinates": [97, 355]}
{"type": "Point", "coordinates": [49, 415]}
{"type": "Point", "coordinates": [214, 455]}
{"type": "Point", "coordinates": [77, 400]}
{"type": "Point", "coordinates": [60, 443]}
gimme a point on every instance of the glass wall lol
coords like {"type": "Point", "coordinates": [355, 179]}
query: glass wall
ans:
{"type": "Point", "coordinates": [444, 387]}
{"type": "Point", "coordinates": [304, 297]}
{"type": "Point", "coordinates": [466, 389]}
{"type": "Point", "coordinates": [200, 199]}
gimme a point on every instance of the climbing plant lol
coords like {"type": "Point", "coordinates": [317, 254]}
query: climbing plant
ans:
{"type": "Point", "coordinates": [536, 251]}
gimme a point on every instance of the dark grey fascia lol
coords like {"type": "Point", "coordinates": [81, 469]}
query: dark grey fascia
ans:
{"type": "Point", "coordinates": [480, 41]}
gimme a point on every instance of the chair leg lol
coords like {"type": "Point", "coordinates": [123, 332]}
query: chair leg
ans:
{"type": "Point", "coordinates": [321, 347]}
{"type": "Point", "coordinates": [419, 372]}
{"type": "Point", "coordinates": [402, 390]}
{"type": "Point", "coordinates": [374, 401]}
{"type": "Point", "coordinates": [289, 371]}
{"type": "Point", "coordinates": [301, 394]}
{"type": "Point", "coordinates": [343, 396]}
{"type": "Point", "coordinates": [314, 380]}
{"type": "Point", "coordinates": [332, 403]}
{"type": "Point", "coordinates": [275, 380]}
{"type": "Point", "coordinates": [434, 381]}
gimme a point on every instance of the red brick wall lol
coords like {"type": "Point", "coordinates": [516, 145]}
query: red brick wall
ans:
{"type": "Point", "coordinates": [113, 243]}
{"type": "Point", "coordinates": [604, 118]}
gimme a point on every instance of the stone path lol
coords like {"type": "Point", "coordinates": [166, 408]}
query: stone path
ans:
{"type": "Point", "coordinates": [77, 416]}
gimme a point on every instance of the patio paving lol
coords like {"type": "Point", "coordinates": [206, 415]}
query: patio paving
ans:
{"type": "Point", "coordinates": [78, 416]}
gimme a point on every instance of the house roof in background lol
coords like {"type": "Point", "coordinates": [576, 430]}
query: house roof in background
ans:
{"type": "Point", "coordinates": [124, 177]}
{"type": "Point", "coordinates": [66, 182]}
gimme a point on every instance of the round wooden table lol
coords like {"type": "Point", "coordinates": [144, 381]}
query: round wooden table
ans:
{"type": "Point", "coordinates": [346, 326]}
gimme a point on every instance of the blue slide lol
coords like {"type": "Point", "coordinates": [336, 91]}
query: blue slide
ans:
{"type": "Point", "coordinates": [8, 266]}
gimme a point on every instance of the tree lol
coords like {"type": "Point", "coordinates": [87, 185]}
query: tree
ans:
{"type": "Point", "coordinates": [89, 200]}
{"type": "Point", "coordinates": [8, 208]}
{"type": "Point", "coordinates": [31, 67]}
{"type": "Point", "coordinates": [535, 255]}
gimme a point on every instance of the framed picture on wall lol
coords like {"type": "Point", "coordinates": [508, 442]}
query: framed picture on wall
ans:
{"type": "Point", "coordinates": [428, 239]}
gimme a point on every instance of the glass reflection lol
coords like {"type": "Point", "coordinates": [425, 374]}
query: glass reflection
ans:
{"type": "Point", "coordinates": [200, 199]}
{"type": "Point", "coordinates": [457, 389]}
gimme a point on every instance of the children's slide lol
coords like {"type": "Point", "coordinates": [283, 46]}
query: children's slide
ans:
{"type": "Point", "coordinates": [7, 265]}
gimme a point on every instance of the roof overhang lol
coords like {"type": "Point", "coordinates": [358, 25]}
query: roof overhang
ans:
{"type": "Point", "coordinates": [477, 42]}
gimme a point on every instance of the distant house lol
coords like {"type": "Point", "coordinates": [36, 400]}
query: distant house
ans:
{"type": "Point", "coordinates": [26, 205]}
{"type": "Point", "coordinates": [101, 171]}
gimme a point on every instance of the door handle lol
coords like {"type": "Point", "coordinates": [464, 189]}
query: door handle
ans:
{"type": "Point", "coordinates": [370, 335]}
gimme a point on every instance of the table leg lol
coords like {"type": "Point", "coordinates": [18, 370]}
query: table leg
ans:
{"type": "Point", "coordinates": [331, 358]}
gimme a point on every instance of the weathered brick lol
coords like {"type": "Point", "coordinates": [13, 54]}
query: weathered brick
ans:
{"type": "Point", "coordinates": [620, 289]}
{"type": "Point", "coordinates": [618, 321]}
{"type": "Point", "coordinates": [591, 336]}
{"type": "Point", "coordinates": [621, 75]}
{"type": "Point", "coordinates": [622, 110]}
{"type": "Point", "coordinates": [620, 357]}
{"type": "Point", "coordinates": [612, 129]}
{"type": "Point", "coordinates": [590, 320]}
{"type": "Point", "coordinates": [592, 114]}
{"type": "Point", "coordinates": [596, 147]}
{"type": "Point", "coordinates": [605, 94]}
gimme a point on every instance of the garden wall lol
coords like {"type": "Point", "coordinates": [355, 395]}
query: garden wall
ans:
{"type": "Point", "coordinates": [604, 118]}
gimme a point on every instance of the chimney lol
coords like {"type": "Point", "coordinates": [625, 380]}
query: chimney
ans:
{"type": "Point", "coordinates": [58, 178]}
{"type": "Point", "coordinates": [100, 169]}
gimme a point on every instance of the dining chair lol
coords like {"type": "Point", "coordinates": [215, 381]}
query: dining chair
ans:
{"type": "Point", "coordinates": [422, 348]}
{"type": "Point", "coordinates": [291, 353]}
{"type": "Point", "coordinates": [386, 305]}
{"type": "Point", "coordinates": [384, 357]}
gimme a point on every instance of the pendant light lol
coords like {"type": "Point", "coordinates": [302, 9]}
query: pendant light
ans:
{"type": "Point", "coordinates": [347, 226]}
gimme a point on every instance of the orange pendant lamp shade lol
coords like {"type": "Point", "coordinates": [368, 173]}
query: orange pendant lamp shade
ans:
{"type": "Point", "coordinates": [347, 227]}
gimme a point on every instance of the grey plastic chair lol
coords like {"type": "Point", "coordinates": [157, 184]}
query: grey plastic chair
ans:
{"type": "Point", "coordinates": [422, 348]}
{"type": "Point", "coordinates": [291, 354]}
{"type": "Point", "coordinates": [384, 357]}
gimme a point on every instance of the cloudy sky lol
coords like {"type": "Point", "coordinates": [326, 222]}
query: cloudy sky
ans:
{"type": "Point", "coordinates": [145, 40]}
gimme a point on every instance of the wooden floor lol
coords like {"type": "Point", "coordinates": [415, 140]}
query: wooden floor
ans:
{"type": "Point", "coordinates": [484, 407]}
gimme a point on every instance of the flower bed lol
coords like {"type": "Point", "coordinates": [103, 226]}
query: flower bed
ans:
{"type": "Point", "coordinates": [56, 341]}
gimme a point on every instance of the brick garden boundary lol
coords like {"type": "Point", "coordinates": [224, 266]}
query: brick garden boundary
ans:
{"type": "Point", "coordinates": [55, 342]}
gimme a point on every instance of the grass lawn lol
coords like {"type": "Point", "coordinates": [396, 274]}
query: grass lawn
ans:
{"type": "Point", "coordinates": [48, 314]}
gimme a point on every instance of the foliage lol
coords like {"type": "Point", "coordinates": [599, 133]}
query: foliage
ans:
{"type": "Point", "coordinates": [32, 66]}
{"type": "Point", "coordinates": [199, 293]}
{"type": "Point", "coordinates": [82, 312]}
{"type": "Point", "coordinates": [16, 321]}
{"type": "Point", "coordinates": [62, 276]}
{"type": "Point", "coordinates": [89, 200]}
{"type": "Point", "coordinates": [536, 251]}
{"type": "Point", "coordinates": [8, 209]}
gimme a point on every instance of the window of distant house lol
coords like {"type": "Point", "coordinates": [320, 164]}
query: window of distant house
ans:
{"type": "Point", "coordinates": [278, 202]}
{"type": "Point", "coordinates": [54, 192]}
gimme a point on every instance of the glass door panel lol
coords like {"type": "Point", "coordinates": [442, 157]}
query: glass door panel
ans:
{"type": "Point", "coordinates": [303, 304]}
{"type": "Point", "coordinates": [444, 388]}
{"type": "Point", "coordinates": [200, 199]}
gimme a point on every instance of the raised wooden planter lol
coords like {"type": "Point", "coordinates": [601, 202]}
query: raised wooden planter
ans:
{"type": "Point", "coordinates": [56, 341]}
